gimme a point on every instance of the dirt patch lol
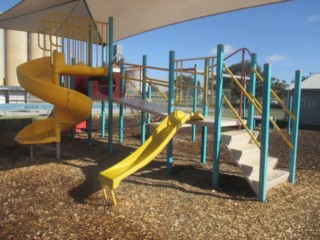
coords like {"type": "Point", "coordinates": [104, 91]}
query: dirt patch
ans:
{"type": "Point", "coordinates": [42, 198]}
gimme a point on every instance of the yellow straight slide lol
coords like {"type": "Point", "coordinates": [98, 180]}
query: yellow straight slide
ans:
{"type": "Point", "coordinates": [41, 79]}
{"type": "Point", "coordinates": [147, 152]}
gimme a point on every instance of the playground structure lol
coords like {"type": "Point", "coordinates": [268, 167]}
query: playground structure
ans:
{"type": "Point", "coordinates": [80, 43]}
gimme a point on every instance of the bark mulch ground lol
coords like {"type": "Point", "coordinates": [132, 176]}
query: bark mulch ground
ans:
{"type": "Point", "coordinates": [42, 198]}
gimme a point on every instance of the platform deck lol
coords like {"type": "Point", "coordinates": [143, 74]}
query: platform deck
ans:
{"type": "Point", "coordinates": [162, 111]}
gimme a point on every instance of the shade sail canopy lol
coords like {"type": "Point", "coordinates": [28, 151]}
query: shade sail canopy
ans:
{"type": "Point", "coordinates": [131, 17]}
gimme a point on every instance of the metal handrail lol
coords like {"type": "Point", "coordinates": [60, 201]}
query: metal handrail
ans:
{"type": "Point", "coordinates": [75, 35]}
{"type": "Point", "coordinates": [242, 122]}
{"type": "Point", "coordinates": [258, 106]}
{"type": "Point", "coordinates": [275, 96]}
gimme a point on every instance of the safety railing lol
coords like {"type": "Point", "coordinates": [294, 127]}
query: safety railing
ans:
{"type": "Point", "coordinates": [241, 121]}
{"type": "Point", "coordinates": [258, 106]}
{"type": "Point", "coordinates": [153, 82]}
{"type": "Point", "coordinates": [132, 80]}
{"type": "Point", "coordinates": [79, 38]}
{"type": "Point", "coordinates": [274, 94]}
{"type": "Point", "coordinates": [207, 75]}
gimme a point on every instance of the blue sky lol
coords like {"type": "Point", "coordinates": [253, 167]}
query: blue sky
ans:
{"type": "Point", "coordinates": [287, 35]}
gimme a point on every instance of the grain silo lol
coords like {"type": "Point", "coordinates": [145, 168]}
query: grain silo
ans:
{"type": "Point", "coordinates": [1, 58]}
{"type": "Point", "coordinates": [133, 83]}
{"type": "Point", "coordinates": [16, 54]}
{"type": "Point", "coordinates": [34, 50]}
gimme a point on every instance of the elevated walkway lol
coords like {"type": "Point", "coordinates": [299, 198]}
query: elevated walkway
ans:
{"type": "Point", "coordinates": [162, 111]}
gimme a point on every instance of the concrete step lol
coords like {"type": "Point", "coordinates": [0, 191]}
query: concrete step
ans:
{"type": "Point", "coordinates": [251, 167]}
{"type": "Point", "coordinates": [274, 178]}
{"type": "Point", "coordinates": [236, 138]}
{"type": "Point", "coordinates": [245, 152]}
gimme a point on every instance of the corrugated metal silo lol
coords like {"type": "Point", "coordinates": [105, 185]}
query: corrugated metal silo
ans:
{"type": "Point", "coordinates": [132, 85]}
{"type": "Point", "coordinates": [34, 50]}
{"type": "Point", "coordinates": [16, 54]}
{"type": "Point", "coordinates": [1, 57]}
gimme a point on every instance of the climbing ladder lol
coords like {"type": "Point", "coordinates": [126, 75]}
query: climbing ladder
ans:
{"type": "Point", "coordinates": [246, 154]}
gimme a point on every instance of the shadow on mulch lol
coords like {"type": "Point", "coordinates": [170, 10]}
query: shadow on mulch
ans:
{"type": "Point", "coordinates": [232, 186]}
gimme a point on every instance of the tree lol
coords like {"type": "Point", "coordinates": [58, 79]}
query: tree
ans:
{"type": "Point", "coordinates": [187, 83]}
{"type": "Point", "coordinates": [279, 87]}
{"type": "Point", "coordinates": [243, 70]}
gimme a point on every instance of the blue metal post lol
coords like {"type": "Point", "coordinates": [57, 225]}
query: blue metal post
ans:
{"type": "Point", "coordinates": [253, 78]}
{"type": "Point", "coordinates": [149, 115]}
{"type": "Point", "coordinates": [110, 93]}
{"type": "Point", "coordinates": [218, 117]}
{"type": "Point", "coordinates": [103, 118]}
{"type": "Point", "coordinates": [244, 105]}
{"type": "Point", "coordinates": [89, 120]}
{"type": "Point", "coordinates": [265, 134]}
{"type": "Point", "coordinates": [295, 126]}
{"type": "Point", "coordinates": [195, 101]}
{"type": "Point", "coordinates": [122, 89]}
{"type": "Point", "coordinates": [73, 86]}
{"type": "Point", "coordinates": [103, 111]}
{"type": "Point", "coordinates": [144, 94]}
{"type": "Point", "coordinates": [205, 113]}
{"type": "Point", "coordinates": [170, 106]}
{"type": "Point", "coordinates": [289, 116]}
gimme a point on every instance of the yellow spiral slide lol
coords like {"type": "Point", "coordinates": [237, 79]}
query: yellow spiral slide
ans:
{"type": "Point", "coordinates": [41, 78]}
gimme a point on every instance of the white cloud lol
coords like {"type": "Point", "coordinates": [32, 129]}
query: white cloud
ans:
{"type": "Point", "coordinates": [227, 50]}
{"type": "Point", "coordinates": [277, 58]}
{"type": "Point", "coordinates": [313, 18]}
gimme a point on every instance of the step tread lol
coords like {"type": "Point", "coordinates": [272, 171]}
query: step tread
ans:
{"type": "Point", "coordinates": [275, 177]}
{"type": "Point", "coordinates": [235, 133]}
{"type": "Point", "coordinates": [237, 138]}
{"type": "Point", "coordinates": [272, 175]}
{"type": "Point", "coordinates": [256, 161]}
{"type": "Point", "coordinates": [245, 147]}
{"type": "Point", "coordinates": [251, 167]}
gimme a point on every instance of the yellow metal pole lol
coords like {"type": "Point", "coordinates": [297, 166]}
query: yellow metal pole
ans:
{"type": "Point", "coordinates": [276, 97]}
{"type": "Point", "coordinates": [257, 106]}
{"type": "Point", "coordinates": [242, 122]}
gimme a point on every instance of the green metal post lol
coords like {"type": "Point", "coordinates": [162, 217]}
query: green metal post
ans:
{"type": "Point", "coordinates": [103, 118]}
{"type": "Point", "coordinates": [89, 120]}
{"type": "Point", "coordinates": [262, 194]}
{"type": "Point", "coordinates": [253, 78]}
{"type": "Point", "coordinates": [289, 116]}
{"type": "Point", "coordinates": [144, 94]}
{"type": "Point", "coordinates": [110, 93]}
{"type": "Point", "coordinates": [195, 101]}
{"type": "Point", "coordinates": [205, 113]}
{"type": "Point", "coordinates": [103, 111]}
{"type": "Point", "coordinates": [170, 107]}
{"type": "Point", "coordinates": [244, 111]}
{"type": "Point", "coordinates": [149, 115]}
{"type": "Point", "coordinates": [218, 117]}
{"type": "Point", "coordinates": [122, 92]}
{"type": "Point", "coordinates": [295, 126]}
